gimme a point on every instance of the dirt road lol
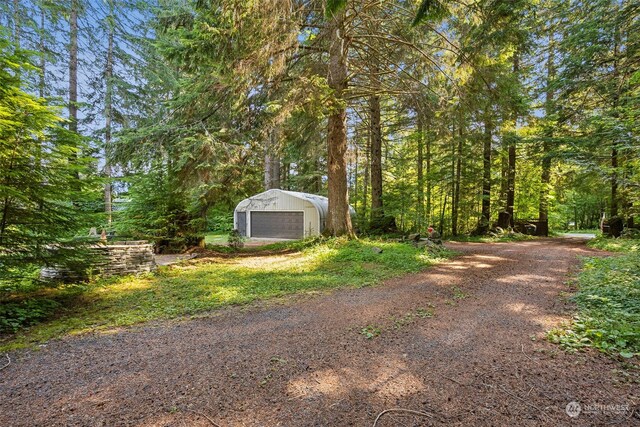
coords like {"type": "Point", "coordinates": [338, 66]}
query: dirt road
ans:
{"type": "Point", "coordinates": [462, 343]}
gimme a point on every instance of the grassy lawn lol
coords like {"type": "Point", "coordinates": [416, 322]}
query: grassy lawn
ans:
{"type": "Point", "coordinates": [515, 237]}
{"type": "Point", "coordinates": [203, 285]}
{"type": "Point", "coordinates": [216, 238]}
{"type": "Point", "coordinates": [608, 301]}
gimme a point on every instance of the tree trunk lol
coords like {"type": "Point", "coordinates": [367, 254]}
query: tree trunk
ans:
{"type": "Point", "coordinates": [455, 205]}
{"type": "Point", "coordinates": [615, 202]}
{"type": "Point", "coordinates": [73, 67]}
{"type": "Point", "coordinates": [285, 172]}
{"type": "Point", "coordinates": [377, 210]}
{"type": "Point", "coordinates": [614, 182]}
{"type": "Point", "coordinates": [41, 80]}
{"type": "Point", "coordinates": [317, 182]}
{"type": "Point", "coordinates": [43, 69]}
{"type": "Point", "coordinates": [511, 164]}
{"type": "Point", "coordinates": [271, 162]}
{"type": "Point", "coordinates": [427, 136]}
{"type": "Point", "coordinates": [543, 212]}
{"type": "Point", "coordinates": [420, 169]}
{"type": "Point", "coordinates": [504, 172]}
{"type": "Point", "coordinates": [16, 22]}
{"type": "Point", "coordinates": [355, 173]}
{"type": "Point", "coordinates": [338, 218]}
{"type": "Point", "coordinates": [73, 75]}
{"type": "Point", "coordinates": [452, 178]}
{"type": "Point", "coordinates": [108, 112]}
{"type": "Point", "coordinates": [485, 217]}
{"type": "Point", "coordinates": [367, 176]}
{"type": "Point", "coordinates": [442, 211]}
{"type": "Point", "coordinates": [511, 181]}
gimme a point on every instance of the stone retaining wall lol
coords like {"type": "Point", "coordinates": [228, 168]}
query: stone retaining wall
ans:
{"type": "Point", "coordinates": [125, 258]}
{"type": "Point", "coordinates": [118, 259]}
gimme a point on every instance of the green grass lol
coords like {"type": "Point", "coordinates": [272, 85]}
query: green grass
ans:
{"type": "Point", "coordinates": [514, 237]}
{"type": "Point", "coordinates": [219, 243]}
{"type": "Point", "coordinates": [583, 231]}
{"type": "Point", "coordinates": [608, 301]}
{"type": "Point", "coordinates": [216, 238]}
{"type": "Point", "coordinates": [615, 245]}
{"type": "Point", "coordinates": [199, 287]}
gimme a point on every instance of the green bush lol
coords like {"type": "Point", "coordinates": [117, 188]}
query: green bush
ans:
{"type": "Point", "coordinates": [17, 315]}
{"type": "Point", "coordinates": [235, 240]}
{"type": "Point", "coordinates": [608, 303]}
{"type": "Point", "coordinates": [615, 245]}
{"type": "Point", "coordinates": [220, 221]}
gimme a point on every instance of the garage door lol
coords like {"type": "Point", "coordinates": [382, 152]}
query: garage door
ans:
{"type": "Point", "coordinates": [282, 225]}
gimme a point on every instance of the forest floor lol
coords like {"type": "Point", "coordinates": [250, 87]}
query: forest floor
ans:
{"type": "Point", "coordinates": [463, 343]}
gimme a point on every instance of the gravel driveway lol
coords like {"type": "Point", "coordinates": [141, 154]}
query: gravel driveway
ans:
{"type": "Point", "coordinates": [461, 343]}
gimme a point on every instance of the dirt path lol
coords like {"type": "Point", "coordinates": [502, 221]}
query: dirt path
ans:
{"type": "Point", "coordinates": [479, 360]}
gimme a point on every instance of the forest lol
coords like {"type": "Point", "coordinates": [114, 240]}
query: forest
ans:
{"type": "Point", "coordinates": [152, 119]}
{"type": "Point", "coordinates": [448, 180]}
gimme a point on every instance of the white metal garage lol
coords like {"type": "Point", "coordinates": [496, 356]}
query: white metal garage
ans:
{"type": "Point", "coordinates": [281, 214]}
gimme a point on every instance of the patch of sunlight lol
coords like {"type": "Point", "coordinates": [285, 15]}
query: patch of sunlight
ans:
{"type": "Point", "coordinates": [533, 278]}
{"type": "Point", "coordinates": [319, 256]}
{"type": "Point", "coordinates": [520, 307]}
{"type": "Point", "coordinates": [81, 327]}
{"type": "Point", "coordinates": [273, 263]}
{"type": "Point", "coordinates": [185, 267]}
{"type": "Point", "coordinates": [490, 257]}
{"type": "Point", "coordinates": [428, 259]}
{"type": "Point", "coordinates": [389, 379]}
{"type": "Point", "coordinates": [127, 284]}
{"type": "Point", "coordinates": [288, 263]}
{"type": "Point", "coordinates": [224, 294]}
{"type": "Point", "coordinates": [399, 386]}
{"type": "Point", "coordinates": [81, 331]}
{"type": "Point", "coordinates": [531, 312]}
{"type": "Point", "coordinates": [326, 382]}
{"type": "Point", "coordinates": [476, 264]}
{"type": "Point", "coordinates": [445, 279]}
{"type": "Point", "coordinates": [110, 331]}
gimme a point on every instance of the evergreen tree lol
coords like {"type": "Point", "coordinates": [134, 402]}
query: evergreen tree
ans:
{"type": "Point", "coordinates": [42, 206]}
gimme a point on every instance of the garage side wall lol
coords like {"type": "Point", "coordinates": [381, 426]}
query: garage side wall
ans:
{"type": "Point", "coordinates": [277, 201]}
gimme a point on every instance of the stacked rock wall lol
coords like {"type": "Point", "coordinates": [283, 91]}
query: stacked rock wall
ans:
{"type": "Point", "coordinates": [125, 258]}
{"type": "Point", "coordinates": [117, 259]}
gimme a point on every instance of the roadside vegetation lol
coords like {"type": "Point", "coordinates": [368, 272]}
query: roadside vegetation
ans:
{"type": "Point", "coordinates": [608, 302]}
{"type": "Point", "coordinates": [616, 245]}
{"type": "Point", "coordinates": [595, 231]}
{"type": "Point", "coordinates": [493, 238]}
{"type": "Point", "coordinates": [201, 285]}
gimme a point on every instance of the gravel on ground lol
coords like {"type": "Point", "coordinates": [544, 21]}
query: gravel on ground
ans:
{"type": "Point", "coordinates": [461, 344]}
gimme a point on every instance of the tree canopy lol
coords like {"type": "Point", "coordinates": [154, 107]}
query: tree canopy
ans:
{"type": "Point", "coordinates": [465, 116]}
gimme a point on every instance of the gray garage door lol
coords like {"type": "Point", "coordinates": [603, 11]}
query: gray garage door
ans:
{"type": "Point", "coordinates": [282, 225]}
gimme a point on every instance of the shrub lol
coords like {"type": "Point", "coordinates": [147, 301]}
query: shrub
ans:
{"type": "Point", "coordinates": [608, 303]}
{"type": "Point", "coordinates": [235, 240]}
{"type": "Point", "coordinates": [17, 315]}
{"type": "Point", "coordinates": [220, 222]}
